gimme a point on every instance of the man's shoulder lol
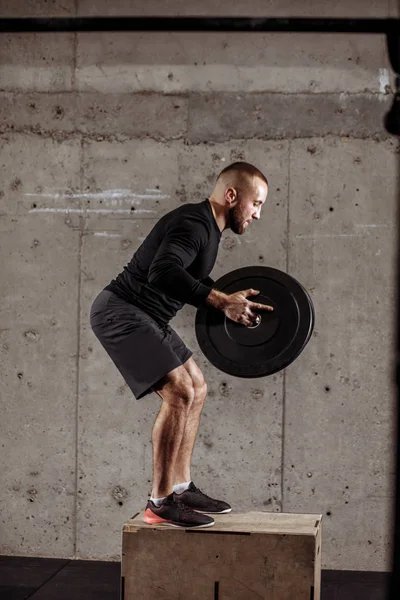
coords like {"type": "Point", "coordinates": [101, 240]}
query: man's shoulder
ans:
{"type": "Point", "coordinates": [190, 213]}
{"type": "Point", "coordinates": [190, 208]}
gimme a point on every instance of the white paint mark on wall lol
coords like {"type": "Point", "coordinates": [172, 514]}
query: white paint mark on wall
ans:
{"type": "Point", "coordinates": [372, 225]}
{"type": "Point", "coordinates": [106, 234]}
{"type": "Point", "coordinates": [92, 210]}
{"type": "Point", "coordinates": [383, 80]}
{"type": "Point", "coordinates": [114, 197]}
{"type": "Point", "coordinates": [328, 235]}
{"type": "Point", "coordinates": [364, 227]}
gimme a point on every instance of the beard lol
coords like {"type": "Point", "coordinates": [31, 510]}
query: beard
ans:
{"type": "Point", "coordinates": [236, 219]}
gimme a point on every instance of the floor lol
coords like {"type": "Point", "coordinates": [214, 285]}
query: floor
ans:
{"type": "Point", "coordinates": [64, 579]}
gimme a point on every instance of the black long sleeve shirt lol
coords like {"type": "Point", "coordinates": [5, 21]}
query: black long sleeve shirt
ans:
{"type": "Point", "coordinates": [172, 265]}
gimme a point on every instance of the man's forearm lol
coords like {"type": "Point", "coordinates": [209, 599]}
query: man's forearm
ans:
{"type": "Point", "coordinates": [174, 281]}
{"type": "Point", "coordinates": [217, 299]}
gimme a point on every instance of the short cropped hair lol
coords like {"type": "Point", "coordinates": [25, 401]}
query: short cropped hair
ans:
{"type": "Point", "coordinates": [244, 168]}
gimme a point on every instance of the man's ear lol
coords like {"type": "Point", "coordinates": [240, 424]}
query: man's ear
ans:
{"type": "Point", "coordinates": [231, 194]}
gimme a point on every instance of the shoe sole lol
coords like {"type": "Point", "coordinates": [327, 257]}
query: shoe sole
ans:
{"type": "Point", "coordinates": [210, 512]}
{"type": "Point", "coordinates": [152, 519]}
{"type": "Point", "coordinates": [167, 524]}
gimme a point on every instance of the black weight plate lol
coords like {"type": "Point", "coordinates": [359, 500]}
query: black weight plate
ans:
{"type": "Point", "coordinates": [266, 347]}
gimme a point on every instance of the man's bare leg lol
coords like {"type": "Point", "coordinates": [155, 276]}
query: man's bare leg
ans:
{"type": "Point", "coordinates": [184, 457]}
{"type": "Point", "coordinates": [177, 392]}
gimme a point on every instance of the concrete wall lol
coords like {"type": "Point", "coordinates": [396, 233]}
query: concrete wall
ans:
{"type": "Point", "coordinates": [101, 134]}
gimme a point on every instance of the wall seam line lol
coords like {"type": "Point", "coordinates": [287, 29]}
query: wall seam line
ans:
{"type": "Point", "coordinates": [75, 54]}
{"type": "Point", "coordinates": [284, 372]}
{"type": "Point", "coordinates": [78, 342]}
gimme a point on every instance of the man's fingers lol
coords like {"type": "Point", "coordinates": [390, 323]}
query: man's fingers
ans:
{"type": "Point", "coordinates": [261, 306]}
{"type": "Point", "coordinates": [254, 318]}
{"type": "Point", "coordinates": [251, 292]}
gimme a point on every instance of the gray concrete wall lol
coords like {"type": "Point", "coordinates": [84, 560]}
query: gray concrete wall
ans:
{"type": "Point", "coordinates": [101, 134]}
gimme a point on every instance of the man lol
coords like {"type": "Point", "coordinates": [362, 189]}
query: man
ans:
{"type": "Point", "coordinates": [130, 318]}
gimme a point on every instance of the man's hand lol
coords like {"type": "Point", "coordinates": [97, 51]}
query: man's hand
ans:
{"type": "Point", "coordinates": [239, 309]}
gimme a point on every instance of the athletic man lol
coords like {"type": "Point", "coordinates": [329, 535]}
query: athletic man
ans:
{"type": "Point", "coordinates": [130, 318]}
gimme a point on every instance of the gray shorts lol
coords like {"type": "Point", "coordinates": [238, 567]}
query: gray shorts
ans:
{"type": "Point", "coordinates": [140, 348]}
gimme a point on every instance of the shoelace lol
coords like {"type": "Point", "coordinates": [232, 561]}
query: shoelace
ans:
{"type": "Point", "coordinates": [180, 505]}
{"type": "Point", "coordinates": [201, 492]}
{"type": "Point", "coordinates": [183, 507]}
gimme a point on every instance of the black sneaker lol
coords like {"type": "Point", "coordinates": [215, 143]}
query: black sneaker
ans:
{"type": "Point", "coordinates": [174, 513]}
{"type": "Point", "coordinates": [197, 500]}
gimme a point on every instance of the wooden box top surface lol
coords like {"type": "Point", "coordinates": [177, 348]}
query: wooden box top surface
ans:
{"type": "Point", "coordinates": [245, 522]}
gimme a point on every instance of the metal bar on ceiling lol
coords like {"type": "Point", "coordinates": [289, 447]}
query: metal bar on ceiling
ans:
{"type": "Point", "coordinates": [201, 24]}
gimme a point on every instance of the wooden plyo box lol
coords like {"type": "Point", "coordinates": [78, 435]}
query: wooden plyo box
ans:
{"type": "Point", "coordinates": [244, 556]}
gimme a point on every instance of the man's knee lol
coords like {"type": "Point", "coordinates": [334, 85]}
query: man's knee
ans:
{"type": "Point", "coordinates": [176, 388]}
{"type": "Point", "coordinates": [200, 389]}
{"type": "Point", "coordinates": [200, 393]}
{"type": "Point", "coordinates": [198, 381]}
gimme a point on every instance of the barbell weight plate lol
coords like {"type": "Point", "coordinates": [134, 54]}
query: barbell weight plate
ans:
{"type": "Point", "coordinates": [269, 345]}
